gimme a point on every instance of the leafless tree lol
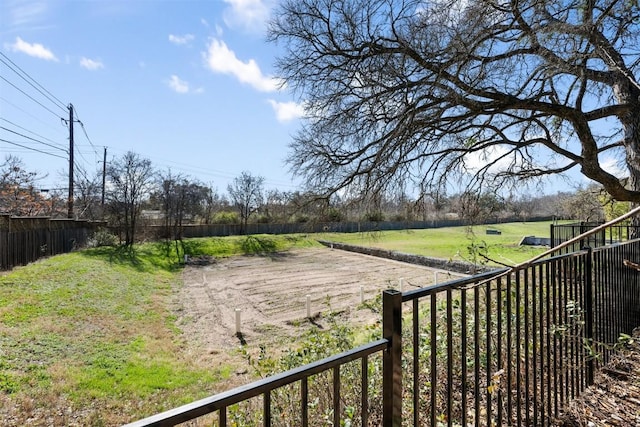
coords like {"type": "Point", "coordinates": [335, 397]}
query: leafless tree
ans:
{"type": "Point", "coordinates": [276, 207]}
{"type": "Point", "coordinates": [88, 194]}
{"type": "Point", "coordinates": [246, 194]}
{"type": "Point", "coordinates": [130, 182]}
{"type": "Point", "coordinates": [476, 208]}
{"type": "Point", "coordinates": [449, 92]}
{"type": "Point", "coordinates": [18, 193]}
{"type": "Point", "coordinates": [585, 205]}
{"type": "Point", "coordinates": [181, 199]}
{"type": "Point", "coordinates": [211, 201]}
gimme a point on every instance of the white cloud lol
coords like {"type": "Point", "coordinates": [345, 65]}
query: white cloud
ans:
{"type": "Point", "coordinates": [220, 59]}
{"type": "Point", "coordinates": [27, 13]}
{"type": "Point", "coordinates": [32, 49]}
{"type": "Point", "coordinates": [287, 111]}
{"type": "Point", "coordinates": [178, 85]}
{"type": "Point", "coordinates": [90, 64]}
{"type": "Point", "coordinates": [614, 167]}
{"type": "Point", "coordinates": [248, 14]}
{"type": "Point", "coordinates": [180, 40]}
{"type": "Point", "coordinates": [494, 156]}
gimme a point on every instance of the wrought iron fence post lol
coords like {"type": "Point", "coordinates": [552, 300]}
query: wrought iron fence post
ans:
{"type": "Point", "coordinates": [588, 315]}
{"type": "Point", "coordinates": [392, 359]}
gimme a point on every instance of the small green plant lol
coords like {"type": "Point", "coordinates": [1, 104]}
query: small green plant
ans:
{"type": "Point", "coordinates": [8, 383]}
{"type": "Point", "coordinates": [315, 344]}
{"type": "Point", "coordinates": [373, 304]}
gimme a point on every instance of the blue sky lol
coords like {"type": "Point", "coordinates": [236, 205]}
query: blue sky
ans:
{"type": "Point", "coordinates": [186, 84]}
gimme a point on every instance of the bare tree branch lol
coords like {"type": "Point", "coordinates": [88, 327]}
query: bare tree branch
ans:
{"type": "Point", "coordinates": [410, 91]}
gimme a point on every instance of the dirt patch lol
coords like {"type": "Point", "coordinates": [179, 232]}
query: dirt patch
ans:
{"type": "Point", "coordinates": [271, 294]}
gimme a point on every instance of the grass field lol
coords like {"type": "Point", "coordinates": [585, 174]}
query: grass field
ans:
{"type": "Point", "coordinates": [458, 243]}
{"type": "Point", "coordinates": [90, 338]}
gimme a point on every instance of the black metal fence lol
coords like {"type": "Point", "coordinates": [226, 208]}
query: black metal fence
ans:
{"type": "Point", "coordinates": [501, 348]}
{"type": "Point", "coordinates": [560, 233]}
{"type": "Point", "coordinates": [27, 239]}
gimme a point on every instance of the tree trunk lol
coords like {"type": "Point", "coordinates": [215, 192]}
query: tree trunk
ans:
{"type": "Point", "coordinates": [631, 136]}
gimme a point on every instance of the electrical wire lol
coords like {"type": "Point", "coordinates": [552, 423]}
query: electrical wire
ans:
{"type": "Point", "coordinates": [33, 83]}
{"type": "Point", "coordinates": [197, 170]}
{"type": "Point", "coordinates": [33, 139]}
{"type": "Point", "coordinates": [75, 113]}
{"type": "Point", "coordinates": [80, 171]}
{"type": "Point", "coordinates": [31, 148]}
{"type": "Point", "coordinates": [31, 132]}
{"type": "Point", "coordinates": [31, 98]}
{"type": "Point", "coordinates": [29, 114]}
{"type": "Point", "coordinates": [81, 155]}
{"type": "Point", "coordinates": [88, 139]}
{"type": "Point", "coordinates": [59, 104]}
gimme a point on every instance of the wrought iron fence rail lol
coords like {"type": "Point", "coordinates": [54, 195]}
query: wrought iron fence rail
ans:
{"type": "Point", "coordinates": [500, 348]}
{"type": "Point", "coordinates": [221, 401]}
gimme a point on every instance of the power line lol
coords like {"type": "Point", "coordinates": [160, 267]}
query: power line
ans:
{"type": "Point", "coordinates": [75, 113]}
{"type": "Point", "coordinates": [31, 148]}
{"type": "Point", "coordinates": [33, 83]}
{"type": "Point", "coordinates": [30, 131]}
{"type": "Point", "coordinates": [29, 114]}
{"type": "Point", "coordinates": [81, 171]}
{"type": "Point", "coordinates": [197, 170]}
{"type": "Point", "coordinates": [33, 139]}
{"type": "Point", "coordinates": [88, 139]}
{"type": "Point", "coordinates": [31, 97]}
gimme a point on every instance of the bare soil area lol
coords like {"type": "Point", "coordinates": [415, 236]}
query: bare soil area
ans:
{"type": "Point", "coordinates": [271, 294]}
{"type": "Point", "coordinates": [614, 398]}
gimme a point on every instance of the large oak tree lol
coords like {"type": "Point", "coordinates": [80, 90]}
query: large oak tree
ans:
{"type": "Point", "coordinates": [482, 92]}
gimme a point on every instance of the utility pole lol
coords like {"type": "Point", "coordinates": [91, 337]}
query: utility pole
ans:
{"type": "Point", "coordinates": [104, 176]}
{"type": "Point", "coordinates": [70, 200]}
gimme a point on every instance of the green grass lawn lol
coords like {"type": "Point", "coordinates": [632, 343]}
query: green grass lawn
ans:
{"type": "Point", "coordinates": [457, 243]}
{"type": "Point", "coordinates": [89, 338]}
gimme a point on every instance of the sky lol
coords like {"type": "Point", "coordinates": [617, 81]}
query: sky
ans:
{"type": "Point", "coordinates": [186, 84]}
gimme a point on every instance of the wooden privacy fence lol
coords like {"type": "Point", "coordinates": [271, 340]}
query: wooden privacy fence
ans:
{"type": "Point", "coordinates": [26, 239]}
{"type": "Point", "coordinates": [211, 230]}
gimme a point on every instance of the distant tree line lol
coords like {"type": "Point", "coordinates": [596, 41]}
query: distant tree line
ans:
{"type": "Point", "coordinates": [136, 194]}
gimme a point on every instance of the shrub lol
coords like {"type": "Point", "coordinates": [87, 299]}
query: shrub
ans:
{"type": "Point", "coordinates": [102, 237]}
{"type": "Point", "coordinates": [300, 218]}
{"type": "Point", "coordinates": [263, 219]}
{"type": "Point", "coordinates": [374, 216]}
{"type": "Point", "coordinates": [333, 215]}
{"type": "Point", "coordinates": [226, 217]}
